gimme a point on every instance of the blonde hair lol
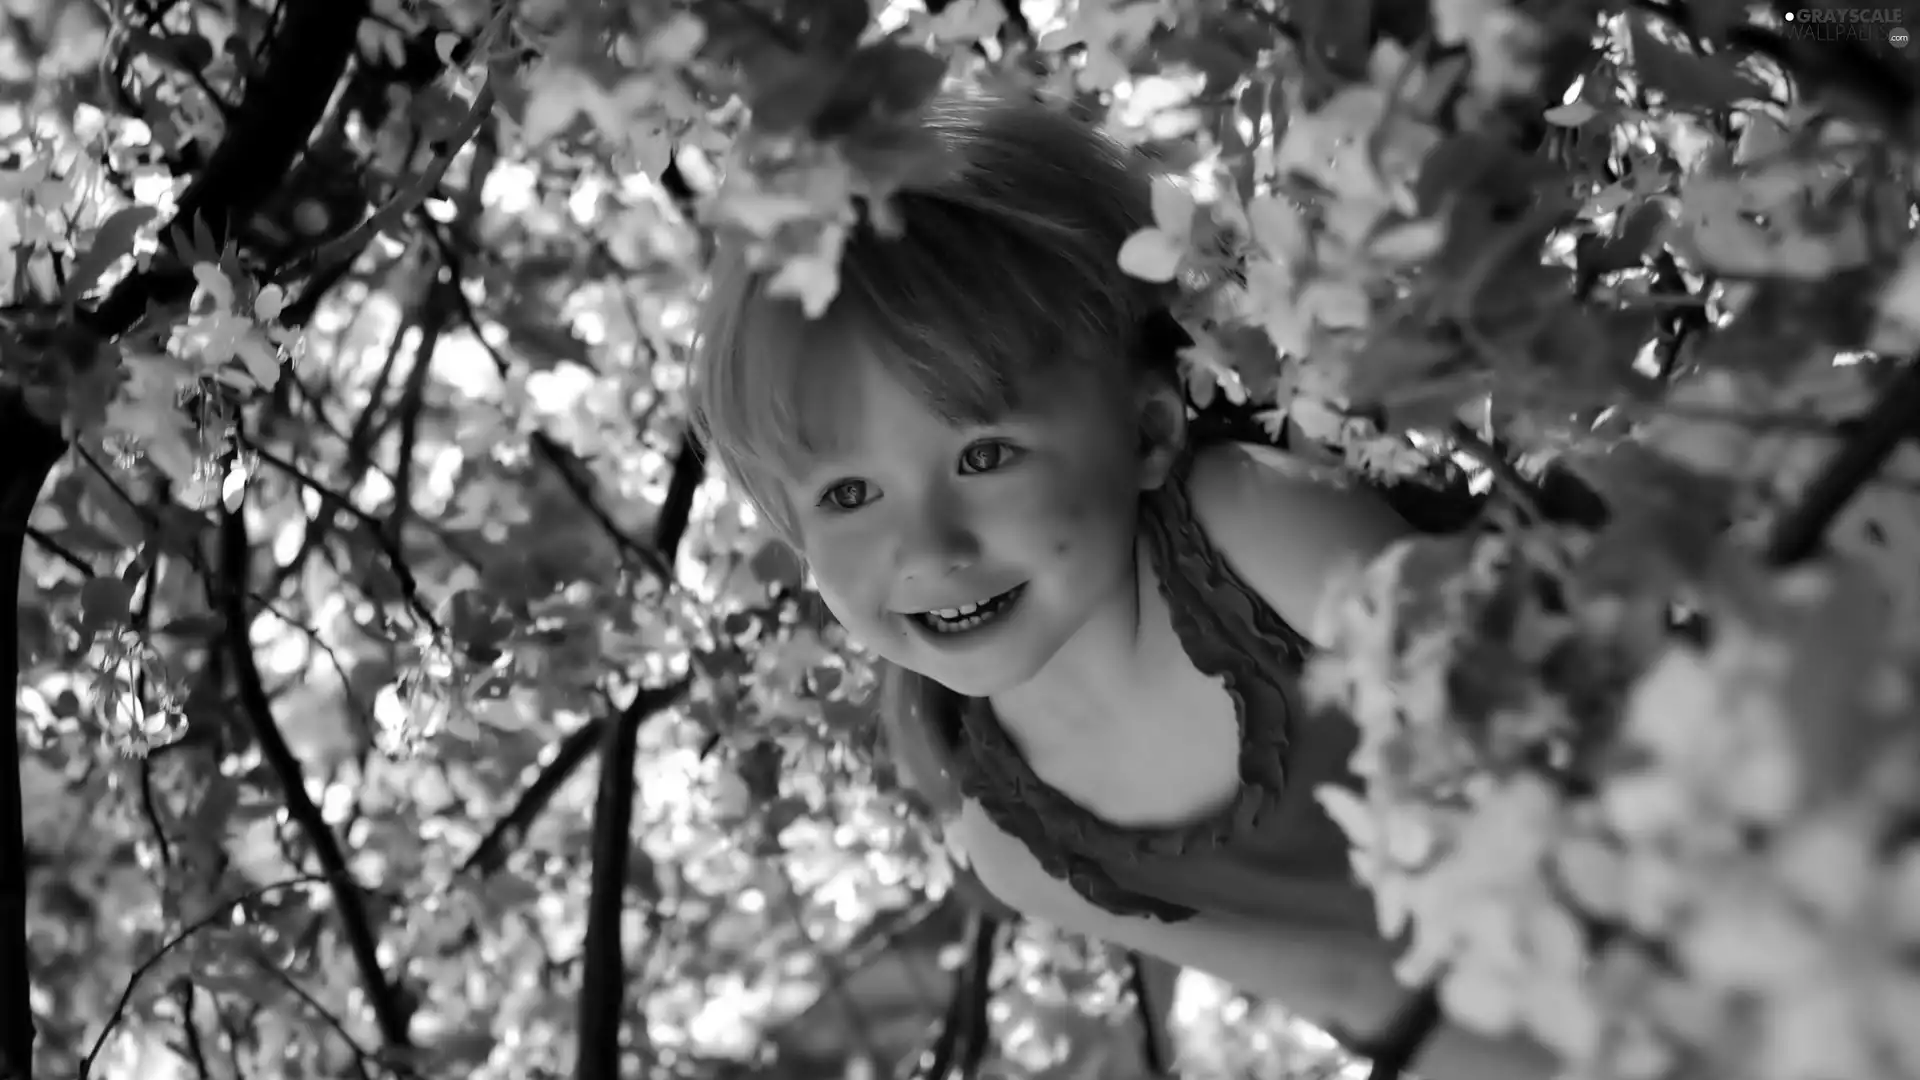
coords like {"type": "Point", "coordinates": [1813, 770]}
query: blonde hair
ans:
{"type": "Point", "coordinates": [1007, 267]}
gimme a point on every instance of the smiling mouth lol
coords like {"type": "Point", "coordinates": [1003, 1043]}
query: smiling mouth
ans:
{"type": "Point", "coordinates": [969, 617]}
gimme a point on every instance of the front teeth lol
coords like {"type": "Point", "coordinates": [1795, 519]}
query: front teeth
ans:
{"type": "Point", "coordinates": [954, 620]}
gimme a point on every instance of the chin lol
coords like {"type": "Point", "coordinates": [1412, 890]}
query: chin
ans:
{"type": "Point", "coordinates": [988, 676]}
{"type": "Point", "coordinates": [973, 684]}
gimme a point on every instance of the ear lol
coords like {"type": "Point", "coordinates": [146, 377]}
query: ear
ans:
{"type": "Point", "coordinates": [1161, 413]}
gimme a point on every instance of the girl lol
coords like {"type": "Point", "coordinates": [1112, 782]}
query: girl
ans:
{"type": "Point", "coordinates": [1091, 621]}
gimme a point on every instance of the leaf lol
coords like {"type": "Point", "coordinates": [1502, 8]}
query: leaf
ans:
{"type": "Point", "coordinates": [1152, 255]}
{"type": "Point", "coordinates": [557, 94]}
{"type": "Point", "coordinates": [787, 92]}
{"type": "Point", "coordinates": [1629, 246]}
{"type": "Point", "coordinates": [1278, 227]}
{"type": "Point", "coordinates": [112, 241]}
{"type": "Point", "coordinates": [1173, 208]}
{"type": "Point", "coordinates": [776, 565]}
{"type": "Point", "coordinates": [678, 40]}
{"type": "Point", "coordinates": [270, 303]}
{"type": "Point", "coordinates": [1472, 163]}
{"type": "Point", "coordinates": [759, 768]}
{"type": "Point", "coordinates": [1409, 242]}
{"type": "Point", "coordinates": [1338, 30]}
{"type": "Point", "coordinates": [105, 604]}
{"type": "Point", "coordinates": [1688, 81]}
{"type": "Point", "coordinates": [261, 358]}
{"type": "Point", "coordinates": [968, 21]}
{"type": "Point", "coordinates": [1713, 18]}
{"type": "Point", "coordinates": [203, 239]}
{"type": "Point", "coordinates": [1572, 114]}
{"type": "Point", "coordinates": [233, 488]}
{"type": "Point", "coordinates": [205, 625]}
{"type": "Point", "coordinates": [215, 284]}
{"type": "Point", "coordinates": [895, 157]}
{"type": "Point", "coordinates": [479, 623]}
{"type": "Point", "coordinates": [881, 84]}
{"type": "Point", "coordinates": [190, 51]}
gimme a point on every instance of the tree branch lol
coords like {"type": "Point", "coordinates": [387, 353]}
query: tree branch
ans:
{"type": "Point", "coordinates": [1896, 415]}
{"type": "Point", "coordinates": [308, 55]}
{"type": "Point", "coordinates": [360, 1055]}
{"type": "Point", "coordinates": [269, 130]}
{"type": "Point", "coordinates": [1154, 1052]}
{"type": "Point", "coordinates": [389, 1012]}
{"type": "Point", "coordinates": [195, 1053]}
{"type": "Point", "coordinates": [604, 976]}
{"type": "Point", "coordinates": [343, 250]}
{"type": "Point", "coordinates": [964, 1032]}
{"type": "Point", "coordinates": [1396, 1047]}
{"type": "Point", "coordinates": [219, 912]}
{"type": "Point", "coordinates": [413, 399]}
{"type": "Point", "coordinates": [603, 979]}
{"type": "Point", "coordinates": [575, 749]}
{"type": "Point", "coordinates": [29, 449]}
{"type": "Point", "coordinates": [564, 462]}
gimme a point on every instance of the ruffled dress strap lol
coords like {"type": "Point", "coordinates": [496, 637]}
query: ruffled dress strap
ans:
{"type": "Point", "coordinates": [1229, 632]}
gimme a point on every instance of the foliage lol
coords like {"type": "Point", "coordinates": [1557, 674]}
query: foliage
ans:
{"type": "Point", "coordinates": [348, 338]}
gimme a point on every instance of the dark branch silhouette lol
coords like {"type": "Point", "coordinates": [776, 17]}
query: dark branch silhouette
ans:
{"type": "Point", "coordinates": [1895, 415]}
{"type": "Point", "coordinates": [576, 748]}
{"type": "Point", "coordinates": [268, 132]}
{"type": "Point", "coordinates": [965, 1035]}
{"type": "Point", "coordinates": [30, 448]}
{"type": "Point", "coordinates": [391, 1012]}
{"type": "Point", "coordinates": [604, 976]}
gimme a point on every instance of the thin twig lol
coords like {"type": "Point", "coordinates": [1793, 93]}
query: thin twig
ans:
{"type": "Point", "coordinates": [360, 1054]}
{"type": "Point", "coordinates": [1508, 479]}
{"type": "Point", "coordinates": [190, 1028]}
{"type": "Point", "coordinates": [271, 128]}
{"type": "Point", "coordinates": [345, 247]}
{"type": "Point", "coordinates": [1895, 416]}
{"type": "Point", "coordinates": [603, 971]}
{"type": "Point", "coordinates": [59, 551]}
{"type": "Point", "coordinates": [374, 527]}
{"type": "Point", "coordinates": [576, 748]}
{"type": "Point", "coordinates": [356, 923]}
{"type": "Point", "coordinates": [564, 463]}
{"type": "Point", "coordinates": [219, 912]}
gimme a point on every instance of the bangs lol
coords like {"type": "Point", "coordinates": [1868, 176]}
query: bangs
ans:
{"type": "Point", "coordinates": [1001, 278]}
{"type": "Point", "coordinates": [800, 376]}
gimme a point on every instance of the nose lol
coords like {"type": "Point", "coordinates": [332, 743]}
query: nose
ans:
{"type": "Point", "coordinates": [936, 542]}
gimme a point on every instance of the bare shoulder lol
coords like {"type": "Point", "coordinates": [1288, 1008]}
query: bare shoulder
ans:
{"type": "Point", "coordinates": [1287, 525]}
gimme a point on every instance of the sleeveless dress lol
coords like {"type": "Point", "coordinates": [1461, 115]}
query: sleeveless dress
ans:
{"type": "Point", "coordinates": [1271, 854]}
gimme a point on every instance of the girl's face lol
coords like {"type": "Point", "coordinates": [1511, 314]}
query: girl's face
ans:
{"type": "Point", "coordinates": [910, 521]}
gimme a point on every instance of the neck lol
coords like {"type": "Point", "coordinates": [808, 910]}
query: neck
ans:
{"type": "Point", "coordinates": [1084, 685]}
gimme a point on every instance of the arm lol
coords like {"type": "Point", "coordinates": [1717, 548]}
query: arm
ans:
{"type": "Point", "coordinates": [1330, 978]}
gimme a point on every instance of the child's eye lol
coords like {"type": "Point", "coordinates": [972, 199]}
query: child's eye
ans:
{"type": "Point", "coordinates": [845, 495]}
{"type": "Point", "coordinates": [985, 456]}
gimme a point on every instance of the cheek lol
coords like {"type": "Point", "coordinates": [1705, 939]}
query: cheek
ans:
{"type": "Point", "coordinates": [833, 573]}
{"type": "Point", "coordinates": [1083, 526]}
{"type": "Point", "coordinates": [843, 572]}
{"type": "Point", "coordinates": [1069, 531]}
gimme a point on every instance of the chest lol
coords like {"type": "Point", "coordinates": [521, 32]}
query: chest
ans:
{"type": "Point", "coordinates": [1161, 748]}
